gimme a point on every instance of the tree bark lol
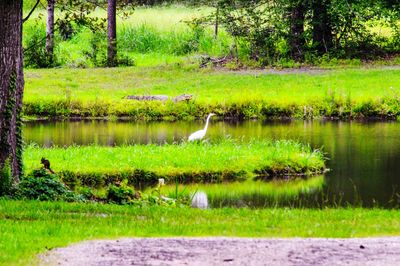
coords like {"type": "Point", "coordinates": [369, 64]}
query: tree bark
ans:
{"type": "Point", "coordinates": [50, 30]}
{"type": "Point", "coordinates": [216, 26]}
{"type": "Point", "coordinates": [11, 86]}
{"type": "Point", "coordinates": [321, 25]}
{"type": "Point", "coordinates": [296, 39]}
{"type": "Point", "coordinates": [112, 33]}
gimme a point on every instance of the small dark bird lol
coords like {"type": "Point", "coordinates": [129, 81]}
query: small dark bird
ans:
{"type": "Point", "coordinates": [46, 165]}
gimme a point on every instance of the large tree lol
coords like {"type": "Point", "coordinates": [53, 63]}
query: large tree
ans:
{"type": "Point", "coordinates": [50, 30]}
{"type": "Point", "coordinates": [321, 24]}
{"type": "Point", "coordinates": [112, 33]}
{"type": "Point", "coordinates": [296, 10]}
{"type": "Point", "coordinates": [11, 86]}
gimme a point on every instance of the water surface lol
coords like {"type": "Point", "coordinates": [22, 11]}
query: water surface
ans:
{"type": "Point", "coordinates": [364, 158]}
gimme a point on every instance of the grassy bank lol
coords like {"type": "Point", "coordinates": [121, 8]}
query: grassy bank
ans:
{"type": "Point", "coordinates": [188, 162]}
{"type": "Point", "coordinates": [29, 228]}
{"type": "Point", "coordinates": [348, 93]}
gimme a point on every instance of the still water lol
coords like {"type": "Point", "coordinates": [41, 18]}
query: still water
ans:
{"type": "Point", "coordinates": [364, 158]}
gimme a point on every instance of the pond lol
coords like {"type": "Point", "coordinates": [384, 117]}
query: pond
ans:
{"type": "Point", "coordinates": [364, 157]}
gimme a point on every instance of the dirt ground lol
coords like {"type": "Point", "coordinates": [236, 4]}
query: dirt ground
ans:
{"type": "Point", "coordinates": [229, 251]}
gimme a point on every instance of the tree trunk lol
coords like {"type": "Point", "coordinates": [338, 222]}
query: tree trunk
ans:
{"type": "Point", "coordinates": [11, 86]}
{"type": "Point", "coordinates": [112, 33]}
{"type": "Point", "coordinates": [216, 26]}
{"type": "Point", "coordinates": [321, 25]}
{"type": "Point", "coordinates": [50, 30]}
{"type": "Point", "coordinates": [296, 39]}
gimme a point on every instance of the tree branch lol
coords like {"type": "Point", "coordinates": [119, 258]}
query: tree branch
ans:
{"type": "Point", "coordinates": [30, 13]}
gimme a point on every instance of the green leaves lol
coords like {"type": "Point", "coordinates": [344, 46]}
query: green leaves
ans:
{"type": "Point", "coordinates": [41, 185]}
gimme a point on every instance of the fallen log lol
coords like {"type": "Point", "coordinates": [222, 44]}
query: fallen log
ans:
{"type": "Point", "coordinates": [163, 98]}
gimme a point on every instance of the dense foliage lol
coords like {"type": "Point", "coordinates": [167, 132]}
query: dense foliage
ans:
{"type": "Point", "coordinates": [5, 180]}
{"type": "Point", "coordinates": [41, 185]}
{"type": "Point", "coordinates": [270, 31]}
{"type": "Point", "coordinates": [258, 32]}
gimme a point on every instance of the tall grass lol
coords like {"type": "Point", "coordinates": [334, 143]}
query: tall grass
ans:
{"type": "Point", "coordinates": [157, 32]}
{"type": "Point", "coordinates": [187, 162]}
{"type": "Point", "coordinates": [181, 41]}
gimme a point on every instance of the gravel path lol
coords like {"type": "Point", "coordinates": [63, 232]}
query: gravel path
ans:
{"type": "Point", "coordinates": [229, 251]}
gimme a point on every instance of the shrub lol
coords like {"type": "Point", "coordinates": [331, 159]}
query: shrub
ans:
{"type": "Point", "coordinates": [69, 179]}
{"type": "Point", "coordinates": [89, 194]}
{"type": "Point", "coordinates": [5, 179]}
{"type": "Point", "coordinates": [41, 185]}
{"type": "Point", "coordinates": [97, 51]}
{"type": "Point", "coordinates": [35, 54]}
{"type": "Point", "coordinates": [125, 60]}
{"type": "Point", "coordinates": [123, 194]}
{"type": "Point", "coordinates": [120, 194]}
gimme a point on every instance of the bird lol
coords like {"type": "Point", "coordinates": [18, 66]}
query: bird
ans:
{"type": "Point", "coordinates": [200, 200]}
{"type": "Point", "coordinates": [198, 135]}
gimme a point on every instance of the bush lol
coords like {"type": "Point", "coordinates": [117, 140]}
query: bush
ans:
{"type": "Point", "coordinates": [97, 52]}
{"type": "Point", "coordinates": [125, 60]}
{"type": "Point", "coordinates": [35, 55]}
{"type": "Point", "coordinates": [89, 194]}
{"type": "Point", "coordinates": [41, 185]}
{"type": "Point", "coordinates": [5, 179]}
{"type": "Point", "coordinates": [120, 194]}
{"type": "Point", "coordinates": [69, 179]}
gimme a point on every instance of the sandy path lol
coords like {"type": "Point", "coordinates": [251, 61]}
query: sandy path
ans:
{"type": "Point", "coordinates": [229, 251]}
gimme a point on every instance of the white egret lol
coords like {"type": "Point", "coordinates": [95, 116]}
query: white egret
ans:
{"type": "Point", "coordinates": [200, 200]}
{"type": "Point", "coordinates": [198, 135]}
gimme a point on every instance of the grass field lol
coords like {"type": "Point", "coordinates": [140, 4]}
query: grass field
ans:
{"type": "Point", "coordinates": [166, 52]}
{"type": "Point", "coordinates": [210, 86]}
{"type": "Point", "coordinates": [99, 92]}
{"type": "Point", "coordinates": [189, 162]}
{"type": "Point", "coordinates": [29, 228]}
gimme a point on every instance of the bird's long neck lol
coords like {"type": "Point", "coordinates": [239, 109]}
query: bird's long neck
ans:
{"type": "Point", "coordinates": [208, 119]}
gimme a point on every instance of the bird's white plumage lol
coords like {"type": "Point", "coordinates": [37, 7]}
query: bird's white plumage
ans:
{"type": "Point", "coordinates": [199, 200]}
{"type": "Point", "coordinates": [198, 135]}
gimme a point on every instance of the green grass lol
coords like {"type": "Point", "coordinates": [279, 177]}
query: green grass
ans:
{"type": "Point", "coordinates": [100, 92]}
{"type": "Point", "coordinates": [226, 160]}
{"type": "Point", "coordinates": [29, 228]}
{"type": "Point", "coordinates": [166, 52]}
{"type": "Point", "coordinates": [210, 86]}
